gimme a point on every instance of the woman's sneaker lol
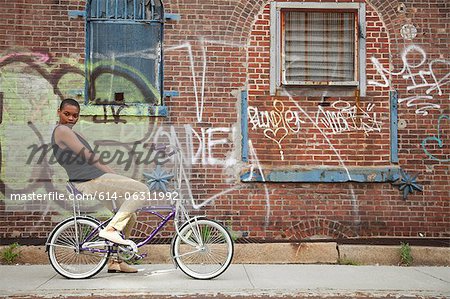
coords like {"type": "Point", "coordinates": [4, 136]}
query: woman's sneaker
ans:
{"type": "Point", "coordinates": [113, 236]}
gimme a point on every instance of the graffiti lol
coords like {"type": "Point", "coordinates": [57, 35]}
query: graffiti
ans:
{"type": "Point", "coordinates": [115, 114]}
{"type": "Point", "coordinates": [420, 75]}
{"type": "Point", "coordinates": [316, 125]}
{"type": "Point", "coordinates": [204, 145]}
{"type": "Point", "coordinates": [255, 165]}
{"type": "Point", "coordinates": [2, 184]}
{"type": "Point", "coordinates": [40, 177]}
{"type": "Point", "coordinates": [135, 154]}
{"type": "Point", "coordinates": [200, 145]}
{"type": "Point", "coordinates": [275, 119]}
{"type": "Point", "coordinates": [36, 57]}
{"type": "Point", "coordinates": [439, 139]}
{"type": "Point", "coordinates": [199, 101]}
{"type": "Point", "coordinates": [1, 107]}
{"type": "Point", "coordinates": [149, 93]}
{"type": "Point", "coordinates": [184, 145]}
{"type": "Point", "coordinates": [199, 89]}
{"type": "Point", "coordinates": [53, 77]}
{"type": "Point", "coordinates": [276, 123]}
{"type": "Point", "coordinates": [340, 117]}
{"type": "Point", "coordinates": [344, 117]}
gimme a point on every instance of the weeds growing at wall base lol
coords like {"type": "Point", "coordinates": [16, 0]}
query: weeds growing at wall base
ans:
{"type": "Point", "coordinates": [406, 258]}
{"type": "Point", "coordinates": [10, 254]}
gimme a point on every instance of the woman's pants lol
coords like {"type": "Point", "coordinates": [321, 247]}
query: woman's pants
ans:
{"type": "Point", "coordinates": [112, 186]}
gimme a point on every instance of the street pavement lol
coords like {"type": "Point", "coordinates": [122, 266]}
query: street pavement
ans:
{"type": "Point", "coordinates": [239, 281]}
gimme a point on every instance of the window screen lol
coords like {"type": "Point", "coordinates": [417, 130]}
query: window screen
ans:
{"type": "Point", "coordinates": [319, 47]}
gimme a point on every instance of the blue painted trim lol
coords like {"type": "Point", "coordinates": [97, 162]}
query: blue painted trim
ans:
{"type": "Point", "coordinates": [393, 96]}
{"type": "Point", "coordinates": [328, 175]}
{"type": "Point", "coordinates": [161, 65]}
{"type": "Point", "coordinates": [256, 178]}
{"type": "Point", "coordinates": [244, 125]}
{"type": "Point", "coordinates": [171, 93]}
{"type": "Point", "coordinates": [73, 14]}
{"type": "Point", "coordinates": [172, 16]}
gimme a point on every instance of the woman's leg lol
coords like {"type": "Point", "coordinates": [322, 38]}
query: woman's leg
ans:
{"type": "Point", "coordinates": [121, 188]}
{"type": "Point", "coordinates": [129, 226]}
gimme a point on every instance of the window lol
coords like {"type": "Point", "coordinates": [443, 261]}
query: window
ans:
{"type": "Point", "coordinates": [124, 52]}
{"type": "Point", "coordinates": [317, 44]}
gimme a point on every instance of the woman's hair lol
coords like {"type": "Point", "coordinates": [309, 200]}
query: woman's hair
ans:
{"type": "Point", "coordinates": [70, 102]}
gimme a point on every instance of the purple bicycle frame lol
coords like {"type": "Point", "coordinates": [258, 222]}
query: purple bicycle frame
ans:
{"type": "Point", "coordinates": [149, 209]}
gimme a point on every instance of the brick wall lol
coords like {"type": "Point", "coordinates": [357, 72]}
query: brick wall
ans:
{"type": "Point", "coordinates": [217, 50]}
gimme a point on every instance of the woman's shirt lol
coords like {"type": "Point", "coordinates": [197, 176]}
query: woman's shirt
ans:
{"type": "Point", "coordinates": [78, 168]}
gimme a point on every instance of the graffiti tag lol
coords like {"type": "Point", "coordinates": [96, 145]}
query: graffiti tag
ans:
{"type": "Point", "coordinates": [344, 117]}
{"type": "Point", "coordinates": [439, 139]}
{"type": "Point", "coordinates": [420, 75]}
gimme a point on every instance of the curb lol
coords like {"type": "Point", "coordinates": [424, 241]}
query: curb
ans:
{"type": "Point", "coordinates": [285, 253]}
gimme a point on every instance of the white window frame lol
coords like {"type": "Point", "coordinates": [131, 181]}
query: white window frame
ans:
{"type": "Point", "coordinates": [276, 62]}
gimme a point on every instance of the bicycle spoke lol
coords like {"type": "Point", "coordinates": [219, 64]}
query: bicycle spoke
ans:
{"type": "Point", "coordinates": [217, 239]}
{"type": "Point", "coordinates": [64, 256]}
{"type": "Point", "coordinates": [65, 252]}
{"type": "Point", "coordinates": [214, 255]}
{"type": "Point", "coordinates": [68, 240]}
{"type": "Point", "coordinates": [188, 253]}
{"type": "Point", "coordinates": [216, 259]}
{"type": "Point", "coordinates": [64, 246]}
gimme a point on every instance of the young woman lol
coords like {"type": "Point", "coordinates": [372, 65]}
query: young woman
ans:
{"type": "Point", "coordinates": [89, 175]}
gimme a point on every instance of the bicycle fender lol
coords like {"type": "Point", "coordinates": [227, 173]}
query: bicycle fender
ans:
{"type": "Point", "coordinates": [47, 246]}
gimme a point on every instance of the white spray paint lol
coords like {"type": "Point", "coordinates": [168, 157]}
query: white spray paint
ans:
{"type": "Point", "coordinates": [206, 142]}
{"type": "Point", "coordinates": [344, 117]}
{"type": "Point", "coordinates": [420, 75]}
{"type": "Point", "coordinates": [200, 94]}
{"type": "Point", "coordinates": [254, 163]}
{"type": "Point", "coordinates": [340, 117]}
{"type": "Point", "coordinates": [277, 123]}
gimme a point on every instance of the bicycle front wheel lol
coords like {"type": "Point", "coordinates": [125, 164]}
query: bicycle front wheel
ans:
{"type": "Point", "coordinates": [67, 254]}
{"type": "Point", "coordinates": [205, 251]}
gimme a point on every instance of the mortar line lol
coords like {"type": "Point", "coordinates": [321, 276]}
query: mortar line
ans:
{"type": "Point", "coordinates": [248, 277]}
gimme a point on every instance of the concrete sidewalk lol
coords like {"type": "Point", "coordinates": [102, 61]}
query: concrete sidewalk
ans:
{"type": "Point", "coordinates": [152, 281]}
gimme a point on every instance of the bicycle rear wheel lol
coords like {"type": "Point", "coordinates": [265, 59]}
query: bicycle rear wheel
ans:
{"type": "Point", "coordinates": [66, 252]}
{"type": "Point", "coordinates": [207, 251]}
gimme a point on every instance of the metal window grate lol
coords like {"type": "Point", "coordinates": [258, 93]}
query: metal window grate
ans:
{"type": "Point", "coordinates": [124, 52]}
{"type": "Point", "coordinates": [130, 10]}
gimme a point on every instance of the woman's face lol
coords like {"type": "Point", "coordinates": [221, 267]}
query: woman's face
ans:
{"type": "Point", "coordinates": [68, 115]}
